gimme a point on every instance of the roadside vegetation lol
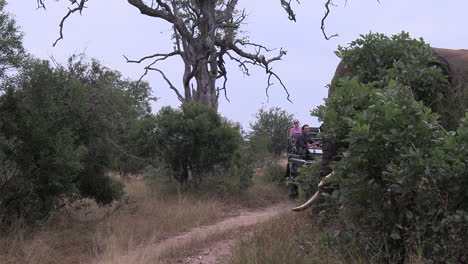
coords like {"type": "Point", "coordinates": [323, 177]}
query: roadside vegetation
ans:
{"type": "Point", "coordinates": [88, 171]}
{"type": "Point", "coordinates": [86, 232]}
{"type": "Point", "coordinates": [83, 235]}
{"type": "Point", "coordinates": [399, 190]}
{"type": "Point", "coordinates": [403, 173]}
{"type": "Point", "coordinates": [288, 238]}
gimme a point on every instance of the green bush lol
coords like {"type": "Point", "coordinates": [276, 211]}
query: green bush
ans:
{"type": "Point", "coordinates": [59, 132]}
{"type": "Point", "coordinates": [402, 178]}
{"type": "Point", "coordinates": [402, 175]}
{"type": "Point", "coordinates": [308, 179]}
{"type": "Point", "coordinates": [194, 141]}
{"type": "Point", "coordinates": [275, 172]}
{"type": "Point", "coordinates": [376, 58]}
{"type": "Point", "coordinates": [236, 176]}
{"type": "Point", "coordinates": [242, 168]}
{"type": "Point", "coordinates": [273, 126]}
{"type": "Point", "coordinates": [259, 145]}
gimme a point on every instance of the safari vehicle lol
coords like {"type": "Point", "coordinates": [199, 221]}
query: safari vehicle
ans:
{"type": "Point", "coordinates": [296, 160]}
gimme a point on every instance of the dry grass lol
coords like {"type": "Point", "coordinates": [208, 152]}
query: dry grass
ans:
{"type": "Point", "coordinates": [156, 218]}
{"type": "Point", "coordinates": [262, 193]}
{"type": "Point", "coordinates": [83, 235]}
{"type": "Point", "coordinates": [288, 238]}
{"type": "Point", "coordinates": [92, 233]}
{"type": "Point", "coordinates": [299, 239]}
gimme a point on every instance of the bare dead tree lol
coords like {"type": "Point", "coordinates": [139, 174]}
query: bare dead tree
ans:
{"type": "Point", "coordinates": [205, 34]}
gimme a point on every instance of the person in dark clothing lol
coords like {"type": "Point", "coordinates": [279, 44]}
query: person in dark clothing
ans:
{"type": "Point", "coordinates": [303, 141]}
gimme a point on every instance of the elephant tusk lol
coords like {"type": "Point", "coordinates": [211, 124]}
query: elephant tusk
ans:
{"type": "Point", "coordinates": [307, 204]}
{"type": "Point", "coordinates": [314, 198]}
{"type": "Point", "coordinates": [322, 183]}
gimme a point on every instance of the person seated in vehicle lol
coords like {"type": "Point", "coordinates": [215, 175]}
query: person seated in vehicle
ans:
{"type": "Point", "coordinates": [295, 130]}
{"type": "Point", "coordinates": [304, 141]}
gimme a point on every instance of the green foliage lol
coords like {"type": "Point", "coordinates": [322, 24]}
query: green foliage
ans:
{"type": "Point", "coordinates": [125, 112]}
{"type": "Point", "coordinates": [378, 58]}
{"type": "Point", "coordinates": [272, 124]}
{"type": "Point", "coordinates": [194, 141]}
{"type": "Point", "coordinates": [242, 168]}
{"type": "Point", "coordinates": [402, 175]}
{"type": "Point", "coordinates": [274, 172]}
{"type": "Point", "coordinates": [308, 179]}
{"type": "Point", "coordinates": [58, 132]}
{"type": "Point", "coordinates": [259, 145]}
{"type": "Point", "coordinates": [402, 178]}
{"type": "Point", "coordinates": [11, 46]}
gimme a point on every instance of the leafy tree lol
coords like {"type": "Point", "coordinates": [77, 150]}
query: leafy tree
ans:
{"type": "Point", "coordinates": [59, 132]}
{"type": "Point", "coordinates": [194, 141]}
{"type": "Point", "coordinates": [11, 43]}
{"type": "Point", "coordinates": [272, 124]}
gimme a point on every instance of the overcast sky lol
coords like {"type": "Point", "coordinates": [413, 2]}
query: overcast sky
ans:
{"type": "Point", "coordinates": [109, 29]}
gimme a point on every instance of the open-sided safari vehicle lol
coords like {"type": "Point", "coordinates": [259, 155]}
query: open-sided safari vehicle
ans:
{"type": "Point", "coordinates": [296, 160]}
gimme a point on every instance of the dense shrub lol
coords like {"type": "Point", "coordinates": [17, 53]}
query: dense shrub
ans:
{"type": "Point", "coordinates": [58, 132]}
{"type": "Point", "coordinates": [275, 172]}
{"type": "Point", "coordinates": [402, 178]}
{"type": "Point", "coordinates": [193, 141]}
{"type": "Point", "coordinates": [272, 125]}
{"type": "Point", "coordinates": [259, 145]}
{"type": "Point", "coordinates": [379, 58]}
{"type": "Point", "coordinates": [308, 179]}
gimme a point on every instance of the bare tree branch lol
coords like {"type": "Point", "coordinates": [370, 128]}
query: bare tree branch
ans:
{"type": "Point", "coordinates": [287, 6]}
{"type": "Point", "coordinates": [257, 59]}
{"type": "Point", "coordinates": [322, 27]}
{"type": "Point", "coordinates": [165, 13]}
{"type": "Point", "coordinates": [224, 88]}
{"type": "Point", "coordinates": [40, 4]}
{"type": "Point", "coordinates": [162, 55]}
{"type": "Point", "coordinates": [259, 46]}
{"type": "Point", "coordinates": [171, 86]}
{"type": "Point", "coordinates": [158, 56]}
{"type": "Point", "coordinates": [121, 149]}
{"type": "Point", "coordinates": [79, 8]}
{"type": "Point", "coordinates": [222, 73]}
{"type": "Point", "coordinates": [228, 12]}
{"type": "Point", "coordinates": [242, 64]}
{"type": "Point", "coordinates": [271, 73]}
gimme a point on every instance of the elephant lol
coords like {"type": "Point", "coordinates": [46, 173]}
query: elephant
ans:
{"type": "Point", "coordinates": [453, 63]}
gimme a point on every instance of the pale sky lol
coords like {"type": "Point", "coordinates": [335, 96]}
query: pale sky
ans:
{"type": "Point", "coordinates": [109, 29]}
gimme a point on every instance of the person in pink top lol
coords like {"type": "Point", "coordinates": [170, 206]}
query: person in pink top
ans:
{"type": "Point", "coordinates": [296, 129]}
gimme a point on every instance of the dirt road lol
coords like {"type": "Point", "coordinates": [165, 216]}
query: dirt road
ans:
{"type": "Point", "coordinates": [211, 255]}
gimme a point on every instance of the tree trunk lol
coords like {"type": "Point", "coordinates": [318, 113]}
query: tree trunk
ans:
{"type": "Point", "coordinates": [205, 56]}
{"type": "Point", "coordinates": [206, 88]}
